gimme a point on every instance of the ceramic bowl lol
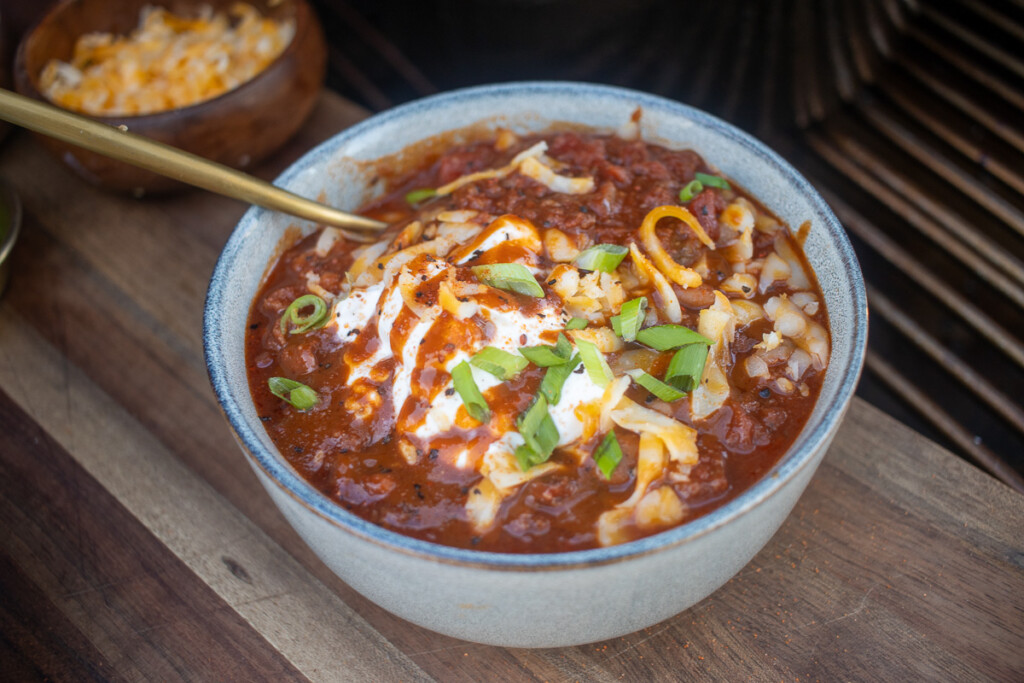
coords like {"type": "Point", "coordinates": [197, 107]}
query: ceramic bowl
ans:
{"type": "Point", "coordinates": [237, 128]}
{"type": "Point", "coordinates": [536, 600]}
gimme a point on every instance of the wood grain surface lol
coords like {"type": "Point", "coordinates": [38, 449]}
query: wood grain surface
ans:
{"type": "Point", "coordinates": [135, 543]}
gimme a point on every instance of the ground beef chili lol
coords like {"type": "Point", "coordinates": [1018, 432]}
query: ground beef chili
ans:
{"type": "Point", "coordinates": [375, 454]}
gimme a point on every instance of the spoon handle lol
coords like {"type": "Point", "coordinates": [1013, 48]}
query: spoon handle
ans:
{"type": "Point", "coordinates": [118, 143]}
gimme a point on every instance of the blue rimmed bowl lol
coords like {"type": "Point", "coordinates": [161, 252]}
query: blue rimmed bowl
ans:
{"type": "Point", "coordinates": [540, 600]}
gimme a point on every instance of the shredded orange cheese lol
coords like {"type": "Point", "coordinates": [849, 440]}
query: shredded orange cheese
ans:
{"type": "Point", "coordinates": [167, 62]}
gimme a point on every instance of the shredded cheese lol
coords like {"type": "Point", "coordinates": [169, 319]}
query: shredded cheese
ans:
{"type": "Point", "coordinates": [167, 62]}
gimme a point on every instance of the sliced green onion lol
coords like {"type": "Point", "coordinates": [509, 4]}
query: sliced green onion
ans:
{"type": "Point", "coordinates": [512, 277]}
{"type": "Point", "coordinates": [686, 367]}
{"type": "Point", "coordinates": [690, 190]}
{"type": "Point", "coordinates": [665, 337]}
{"type": "Point", "coordinates": [712, 181]}
{"type": "Point", "coordinates": [554, 378]}
{"type": "Point", "coordinates": [422, 194]}
{"type": "Point", "coordinates": [545, 356]}
{"type": "Point", "coordinates": [301, 323]}
{"type": "Point", "coordinates": [654, 385]}
{"type": "Point", "coordinates": [476, 404]}
{"type": "Point", "coordinates": [608, 455]}
{"type": "Point", "coordinates": [501, 364]}
{"type": "Point", "coordinates": [539, 432]}
{"type": "Point", "coordinates": [627, 323]}
{"type": "Point", "coordinates": [594, 362]}
{"type": "Point", "coordinates": [297, 394]}
{"type": "Point", "coordinates": [603, 257]}
{"type": "Point", "coordinates": [576, 324]}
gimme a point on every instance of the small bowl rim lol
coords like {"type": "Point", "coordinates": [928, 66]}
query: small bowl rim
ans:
{"type": "Point", "coordinates": [304, 13]}
{"type": "Point", "coordinates": [789, 465]}
{"type": "Point", "coordinates": [8, 195]}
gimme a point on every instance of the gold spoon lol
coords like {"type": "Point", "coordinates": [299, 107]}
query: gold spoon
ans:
{"type": "Point", "coordinates": [118, 143]}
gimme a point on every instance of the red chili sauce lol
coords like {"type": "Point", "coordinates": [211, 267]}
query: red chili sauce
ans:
{"type": "Point", "coordinates": [347, 445]}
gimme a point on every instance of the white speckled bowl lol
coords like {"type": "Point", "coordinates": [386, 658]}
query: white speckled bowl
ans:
{"type": "Point", "coordinates": [553, 599]}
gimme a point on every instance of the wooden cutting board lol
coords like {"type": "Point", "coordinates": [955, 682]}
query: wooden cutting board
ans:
{"type": "Point", "coordinates": [135, 543]}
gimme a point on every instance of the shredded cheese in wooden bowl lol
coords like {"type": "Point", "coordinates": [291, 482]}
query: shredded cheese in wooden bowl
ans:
{"type": "Point", "coordinates": [167, 62]}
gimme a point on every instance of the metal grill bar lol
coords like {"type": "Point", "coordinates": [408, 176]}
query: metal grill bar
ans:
{"type": "Point", "coordinates": [936, 162]}
{"type": "Point", "coordinates": [896, 255]}
{"type": "Point", "coordinates": [979, 43]}
{"type": "Point", "coordinates": [964, 373]}
{"type": "Point", "coordinates": [943, 421]}
{"type": "Point", "coordinates": [968, 68]}
{"type": "Point", "coordinates": [900, 195]}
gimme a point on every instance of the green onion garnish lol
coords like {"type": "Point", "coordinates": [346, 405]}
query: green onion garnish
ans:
{"type": "Point", "coordinates": [545, 356]}
{"type": "Point", "coordinates": [302, 323]}
{"type": "Point", "coordinates": [654, 385]}
{"type": "Point", "coordinates": [690, 190]}
{"type": "Point", "coordinates": [686, 367]}
{"type": "Point", "coordinates": [594, 362]}
{"type": "Point", "coordinates": [665, 337]}
{"type": "Point", "coordinates": [627, 323]}
{"type": "Point", "coordinates": [422, 194]}
{"type": "Point", "coordinates": [554, 378]}
{"type": "Point", "coordinates": [501, 364]}
{"type": "Point", "coordinates": [512, 277]}
{"type": "Point", "coordinates": [608, 455]}
{"type": "Point", "coordinates": [712, 181]}
{"type": "Point", "coordinates": [297, 394]}
{"type": "Point", "coordinates": [576, 324]}
{"type": "Point", "coordinates": [539, 432]}
{"type": "Point", "coordinates": [603, 257]}
{"type": "Point", "coordinates": [476, 404]}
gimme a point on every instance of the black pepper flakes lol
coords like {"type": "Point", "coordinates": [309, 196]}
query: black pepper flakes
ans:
{"type": "Point", "coordinates": [765, 393]}
{"type": "Point", "coordinates": [434, 452]}
{"type": "Point", "coordinates": [450, 391]}
{"type": "Point", "coordinates": [475, 540]}
{"type": "Point", "coordinates": [419, 492]}
{"type": "Point", "coordinates": [254, 326]}
{"type": "Point", "coordinates": [380, 266]}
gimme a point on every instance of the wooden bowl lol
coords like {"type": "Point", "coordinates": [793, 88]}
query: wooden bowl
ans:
{"type": "Point", "coordinates": [237, 128]}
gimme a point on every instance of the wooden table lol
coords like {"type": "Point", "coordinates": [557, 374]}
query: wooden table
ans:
{"type": "Point", "coordinates": [137, 544]}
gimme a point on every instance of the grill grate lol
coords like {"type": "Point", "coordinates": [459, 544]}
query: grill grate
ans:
{"type": "Point", "coordinates": [907, 115]}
